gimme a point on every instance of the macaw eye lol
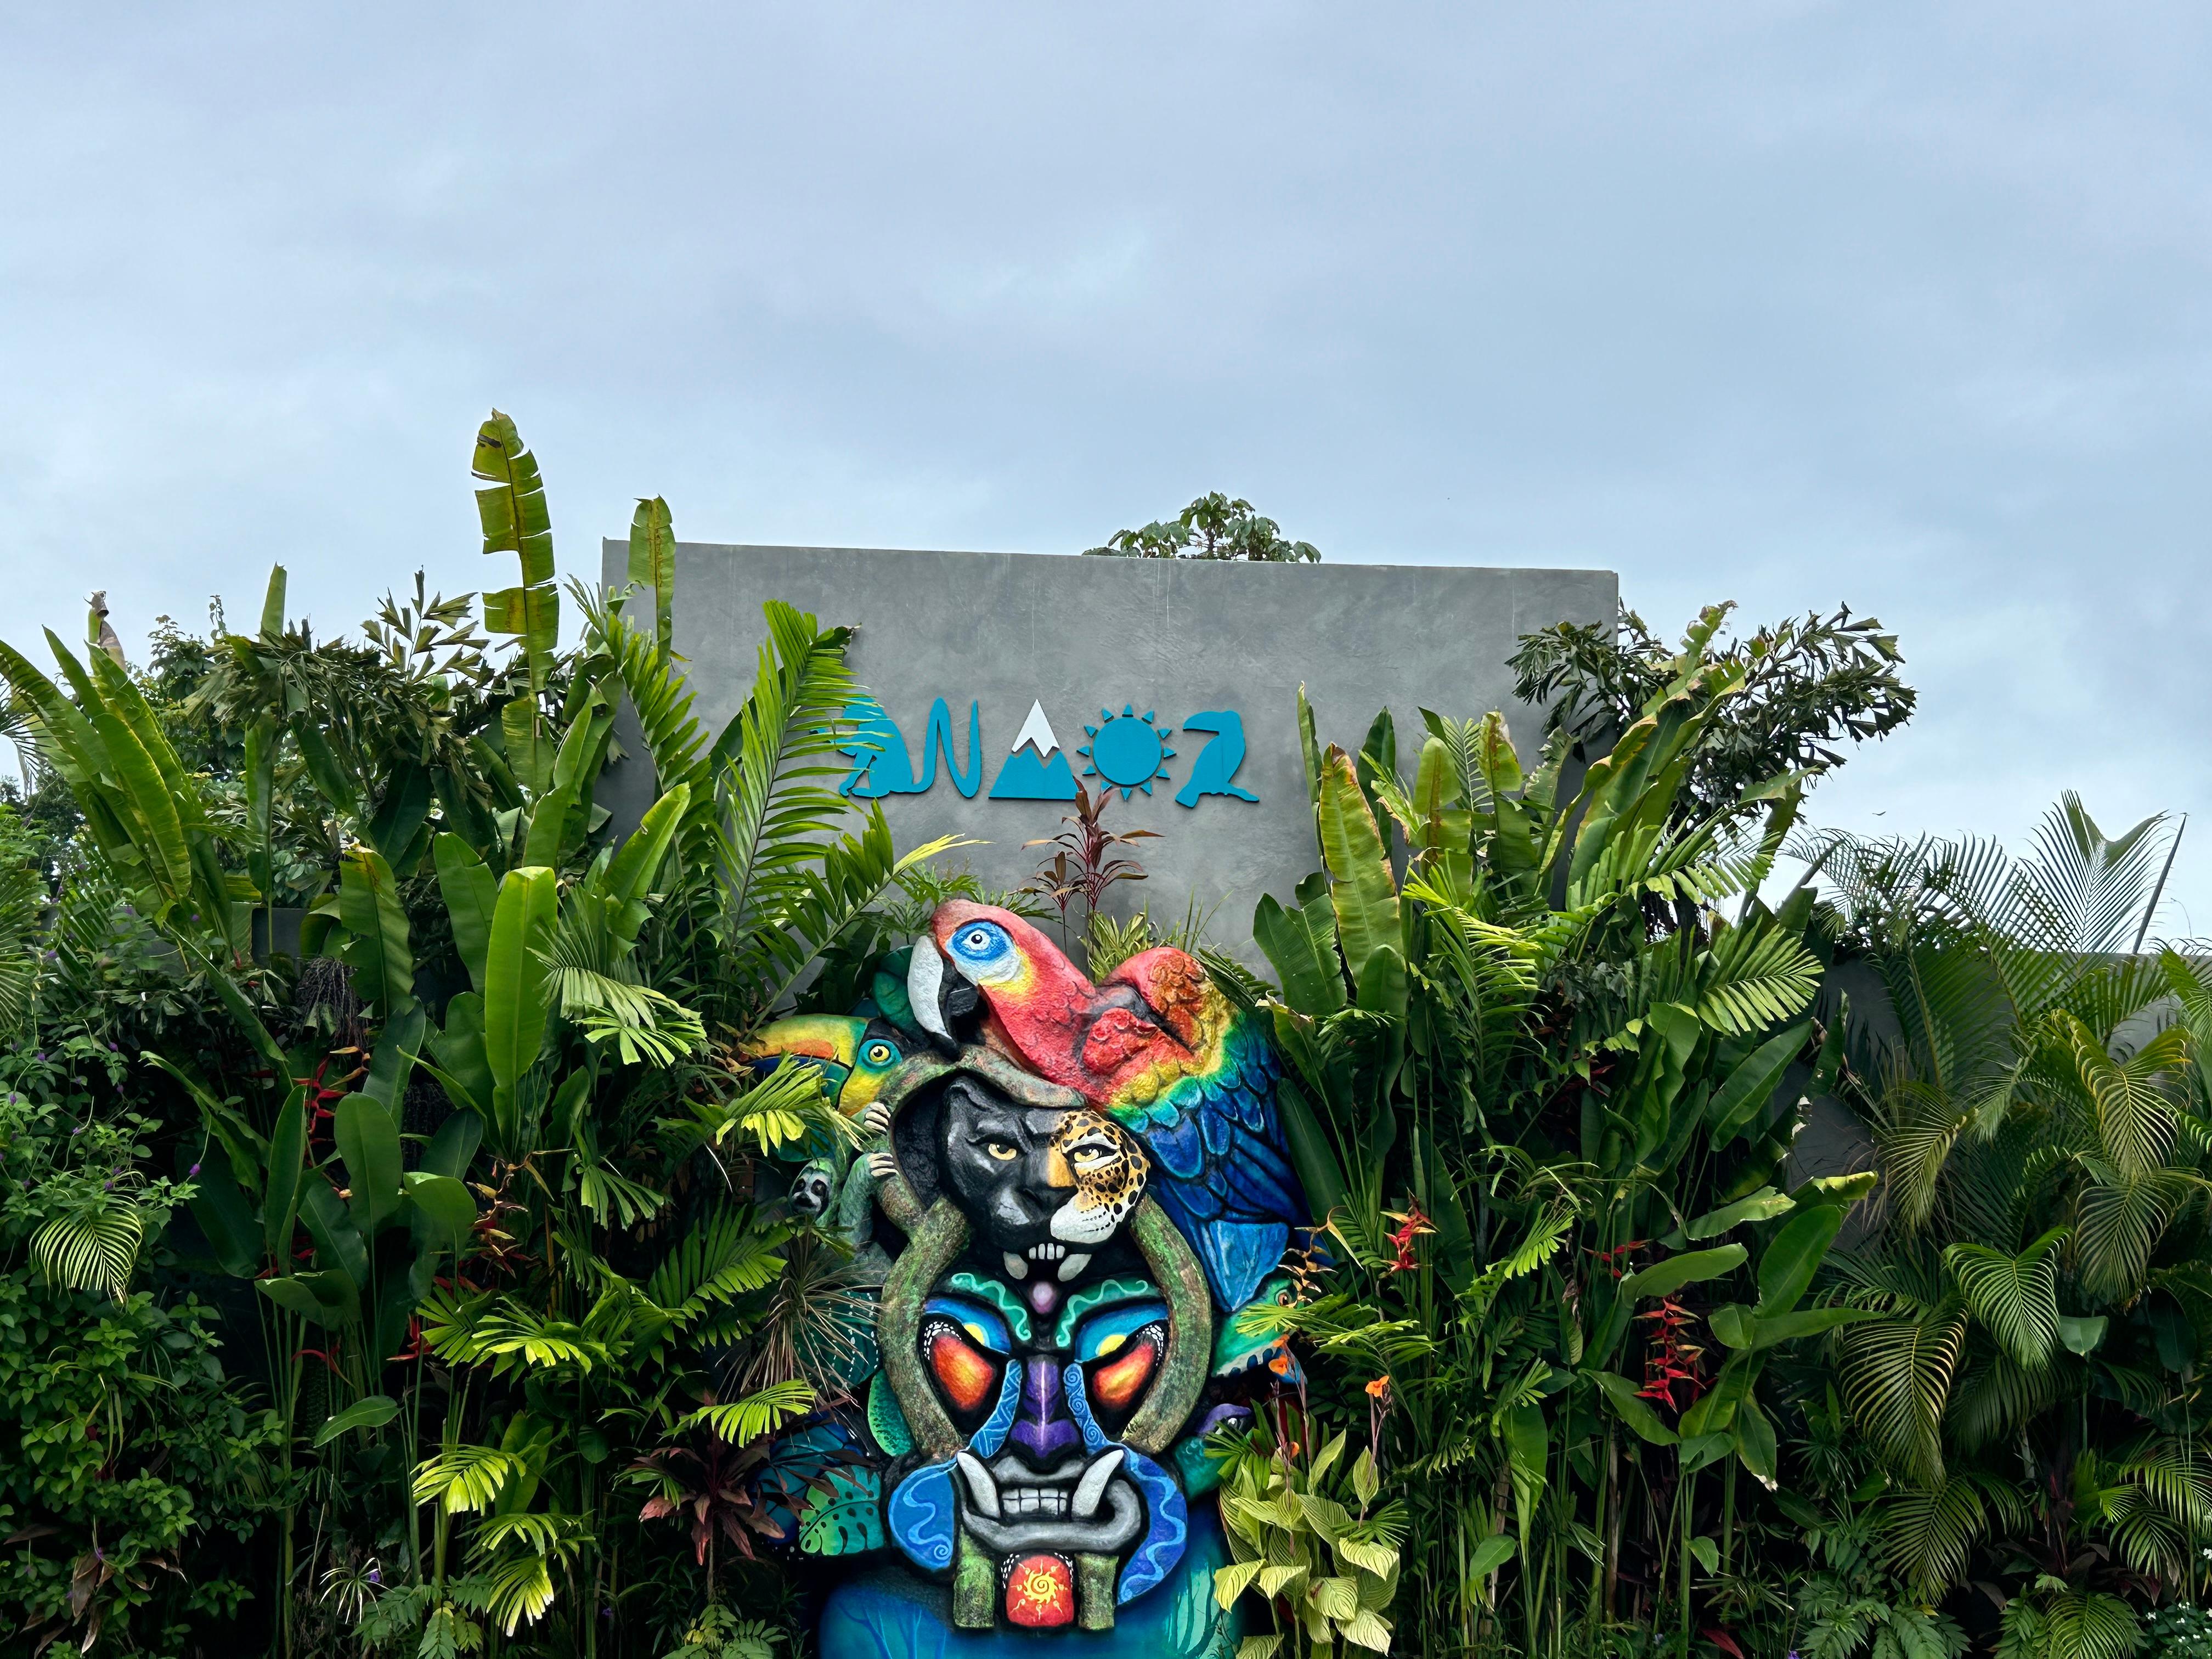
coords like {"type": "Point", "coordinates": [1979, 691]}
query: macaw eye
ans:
{"type": "Point", "coordinates": [1003, 1150]}
{"type": "Point", "coordinates": [982, 942]}
{"type": "Point", "coordinates": [880, 1053]}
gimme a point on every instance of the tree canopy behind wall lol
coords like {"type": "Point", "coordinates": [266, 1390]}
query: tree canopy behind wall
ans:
{"type": "Point", "coordinates": [1212, 527]}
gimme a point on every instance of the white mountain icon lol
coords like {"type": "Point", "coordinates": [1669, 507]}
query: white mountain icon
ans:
{"type": "Point", "coordinates": [1035, 733]}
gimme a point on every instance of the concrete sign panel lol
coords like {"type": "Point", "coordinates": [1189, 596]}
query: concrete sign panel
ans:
{"type": "Point", "coordinates": [1001, 680]}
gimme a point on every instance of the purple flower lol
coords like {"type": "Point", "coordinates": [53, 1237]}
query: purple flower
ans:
{"type": "Point", "coordinates": [107, 1186]}
{"type": "Point", "coordinates": [376, 1575]}
{"type": "Point", "coordinates": [42, 1056]}
{"type": "Point", "coordinates": [74, 1133]}
{"type": "Point", "coordinates": [190, 1173]}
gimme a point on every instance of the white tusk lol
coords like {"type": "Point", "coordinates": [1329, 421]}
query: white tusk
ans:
{"type": "Point", "coordinates": [1015, 1268]}
{"type": "Point", "coordinates": [982, 1490]}
{"type": "Point", "coordinates": [1092, 1487]}
{"type": "Point", "coordinates": [924, 987]}
{"type": "Point", "coordinates": [1074, 1268]}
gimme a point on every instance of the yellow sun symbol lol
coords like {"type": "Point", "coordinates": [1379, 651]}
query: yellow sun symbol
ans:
{"type": "Point", "coordinates": [1039, 1589]}
{"type": "Point", "coordinates": [1127, 752]}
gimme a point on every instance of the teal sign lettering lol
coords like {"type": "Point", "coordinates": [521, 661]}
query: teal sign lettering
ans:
{"type": "Point", "coordinates": [1128, 751]}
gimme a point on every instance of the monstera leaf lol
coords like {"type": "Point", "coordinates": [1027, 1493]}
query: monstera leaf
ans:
{"type": "Point", "coordinates": [844, 1515]}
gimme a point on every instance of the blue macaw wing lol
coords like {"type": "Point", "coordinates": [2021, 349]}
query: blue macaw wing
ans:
{"type": "Point", "coordinates": [1222, 1174]}
{"type": "Point", "coordinates": [1258, 1183]}
{"type": "Point", "coordinates": [1178, 1147]}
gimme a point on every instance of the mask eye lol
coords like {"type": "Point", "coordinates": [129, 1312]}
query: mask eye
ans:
{"type": "Point", "coordinates": [977, 940]}
{"type": "Point", "coordinates": [879, 1053]}
{"type": "Point", "coordinates": [1115, 1382]}
{"type": "Point", "coordinates": [965, 1373]}
{"type": "Point", "coordinates": [1003, 1152]}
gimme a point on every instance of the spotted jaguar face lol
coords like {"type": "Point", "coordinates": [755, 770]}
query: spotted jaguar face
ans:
{"type": "Point", "coordinates": [1107, 1168]}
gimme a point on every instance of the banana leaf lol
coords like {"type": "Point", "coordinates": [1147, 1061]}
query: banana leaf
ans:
{"type": "Point", "coordinates": [471, 894]}
{"type": "Point", "coordinates": [368, 1141]}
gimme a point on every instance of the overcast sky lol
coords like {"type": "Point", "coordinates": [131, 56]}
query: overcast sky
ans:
{"type": "Point", "coordinates": [1901, 306]}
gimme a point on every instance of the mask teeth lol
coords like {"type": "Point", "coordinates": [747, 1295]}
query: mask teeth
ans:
{"type": "Point", "coordinates": [1035, 1501]}
{"type": "Point", "coordinates": [1047, 1252]}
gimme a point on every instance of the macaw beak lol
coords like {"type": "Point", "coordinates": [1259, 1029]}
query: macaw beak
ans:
{"type": "Point", "coordinates": [938, 994]}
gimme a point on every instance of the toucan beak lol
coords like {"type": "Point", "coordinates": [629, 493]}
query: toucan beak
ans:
{"type": "Point", "coordinates": [937, 993]}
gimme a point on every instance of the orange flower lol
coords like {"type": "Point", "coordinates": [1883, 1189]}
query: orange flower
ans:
{"type": "Point", "coordinates": [1379, 1387]}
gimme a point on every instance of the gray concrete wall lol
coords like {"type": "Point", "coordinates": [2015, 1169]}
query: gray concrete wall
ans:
{"type": "Point", "coordinates": [1177, 638]}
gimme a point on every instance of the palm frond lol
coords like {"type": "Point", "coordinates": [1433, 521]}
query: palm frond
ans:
{"type": "Point", "coordinates": [2014, 1296]}
{"type": "Point", "coordinates": [1928, 1530]}
{"type": "Point", "coordinates": [93, 1248]}
{"type": "Point", "coordinates": [1897, 1375]}
{"type": "Point", "coordinates": [2119, 1217]}
{"type": "Point", "coordinates": [2136, 1119]}
{"type": "Point", "coordinates": [465, 1477]}
{"type": "Point", "coordinates": [741, 1421]}
{"type": "Point", "coordinates": [725, 1254]}
{"type": "Point", "coordinates": [22, 902]}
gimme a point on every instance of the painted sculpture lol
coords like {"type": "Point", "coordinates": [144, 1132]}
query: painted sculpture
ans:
{"type": "Point", "coordinates": [1075, 1188]}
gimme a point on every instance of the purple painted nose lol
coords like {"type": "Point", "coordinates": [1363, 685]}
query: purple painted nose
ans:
{"type": "Point", "coordinates": [1042, 1425]}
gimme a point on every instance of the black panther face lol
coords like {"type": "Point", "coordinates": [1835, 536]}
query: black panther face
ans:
{"type": "Point", "coordinates": [1005, 1169]}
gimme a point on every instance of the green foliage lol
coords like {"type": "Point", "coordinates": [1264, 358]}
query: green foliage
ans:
{"type": "Point", "coordinates": [134, 1469]}
{"type": "Point", "coordinates": [1309, 1541]}
{"type": "Point", "coordinates": [1809, 685]}
{"type": "Point", "coordinates": [516, 1354]}
{"type": "Point", "coordinates": [2179, 1632]}
{"type": "Point", "coordinates": [1544, 1085]}
{"type": "Point", "coordinates": [427, 1149]}
{"type": "Point", "coordinates": [1212, 527]}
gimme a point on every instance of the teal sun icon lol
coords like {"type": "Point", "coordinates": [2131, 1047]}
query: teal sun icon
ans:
{"type": "Point", "coordinates": [1128, 752]}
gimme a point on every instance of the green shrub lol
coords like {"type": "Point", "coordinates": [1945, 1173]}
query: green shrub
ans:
{"type": "Point", "coordinates": [130, 1469]}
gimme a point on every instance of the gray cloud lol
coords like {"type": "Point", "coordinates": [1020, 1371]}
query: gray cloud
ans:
{"type": "Point", "coordinates": [1791, 304]}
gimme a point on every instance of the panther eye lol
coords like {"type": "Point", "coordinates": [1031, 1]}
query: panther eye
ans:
{"type": "Point", "coordinates": [1003, 1150]}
